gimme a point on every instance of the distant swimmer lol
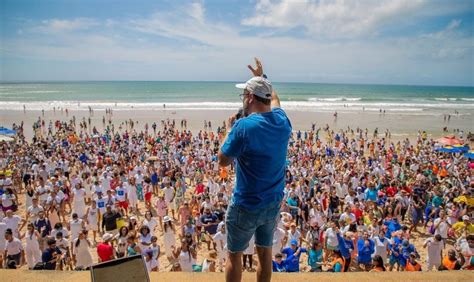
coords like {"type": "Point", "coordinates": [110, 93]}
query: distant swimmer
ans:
{"type": "Point", "coordinates": [24, 108]}
{"type": "Point", "coordinates": [164, 106]}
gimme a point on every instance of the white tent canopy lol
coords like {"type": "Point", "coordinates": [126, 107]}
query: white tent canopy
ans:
{"type": "Point", "coordinates": [6, 138]}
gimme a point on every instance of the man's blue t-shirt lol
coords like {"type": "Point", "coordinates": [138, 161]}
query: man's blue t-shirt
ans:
{"type": "Point", "coordinates": [292, 261]}
{"type": "Point", "coordinates": [279, 267]}
{"type": "Point", "coordinates": [259, 143]}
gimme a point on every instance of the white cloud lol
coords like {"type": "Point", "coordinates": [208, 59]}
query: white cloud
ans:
{"type": "Point", "coordinates": [335, 19]}
{"type": "Point", "coordinates": [453, 24]}
{"type": "Point", "coordinates": [199, 49]}
{"type": "Point", "coordinates": [197, 12]}
{"type": "Point", "coordinates": [62, 25]}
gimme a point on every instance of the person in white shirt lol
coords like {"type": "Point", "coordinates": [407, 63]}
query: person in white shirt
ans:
{"type": "Point", "coordinates": [330, 238]}
{"type": "Point", "coordinates": [92, 219]}
{"type": "Point", "coordinates": [434, 247]}
{"type": "Point", "coordinates": [466, 245]}
{"type": "Point", "coordinates": [150, 262]}
{"type": "Point", "coordinates": [441, 226]}
{"type": "Point", "coordinates": [13, 222]}
{"type": "Point", "coordinates": [121, 194]}
{"type": "Point", "coordinates": [293, 234]}
{"type": "Point", "coordinates": [381, 245]}
{"type": "Point", "coordinates": [79, 195]}
{"type": "Point", "coordinates": [150, 222]}
{"type": "Point", "coordinates": [347, 216]}
{"type": "Point", "coordinates": [33, 211]}
{"type": "Point", "coordinates": [101, 202]}
{"type": "Point", "coordinates": [278, 237]}
{"type": "Point", "coordinates": [42, 191]}
{"type": "Point", "coordinates": [13, 249]}
{"type": "Point", "coordinates": [76, 225]}
{"type": "Point", "coordinates": [169, 196]}
{"type": "Point", "coordinates": [220, 240]}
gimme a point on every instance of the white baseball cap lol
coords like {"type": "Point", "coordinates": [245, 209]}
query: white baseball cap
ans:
{"type": "Point", "coordinates": [107, 236]}
{"type": "Point", "coordinates": [465, 217]}
{"type": "Point", "coordinates": [258, 86]}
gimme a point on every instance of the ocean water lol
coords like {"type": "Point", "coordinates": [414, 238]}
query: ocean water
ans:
{"type": "Point", "coordinates": [312, 97]}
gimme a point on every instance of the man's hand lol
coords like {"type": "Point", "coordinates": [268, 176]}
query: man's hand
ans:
{"type": "Point", "coordinates": [258, 71]}
{"type": "Point", "coordinates": [230, 122]}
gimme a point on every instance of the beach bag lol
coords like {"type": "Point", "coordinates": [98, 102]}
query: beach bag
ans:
{"type": "Point", "coordinates": [39, 266]}
{"type": "Point", "coordinates": [432, 229]}
{"type": "Point", "coordinates": [121, 223]}
{"type": "Point", "coordinates": [197, 268]}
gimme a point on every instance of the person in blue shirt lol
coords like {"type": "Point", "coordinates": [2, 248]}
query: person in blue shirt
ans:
{"type": "Point", "coordinates": [346, 246]}
{"type": "Point", "coordinates": [366, 247]}
{"type": "Point", "coordinates": [315, 256]}
{"type": "Point", "coordinates": [371, 194]}
{"type": "Point", "coordinates": [392, 226]}
{"type": "Point", "coordinates": [395, 247]}
{"type": "Point", "coordinates": [279, 265]}
{"type": "Point", "coordinates": [406, 250]}
{"type": "Point", "coordinates": [257, 144]}
{"type": "Point", "coordinates": [293, 254]}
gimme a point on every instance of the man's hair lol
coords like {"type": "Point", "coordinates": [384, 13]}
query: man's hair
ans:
{"type": "Point", "coordinates": [263, 100]}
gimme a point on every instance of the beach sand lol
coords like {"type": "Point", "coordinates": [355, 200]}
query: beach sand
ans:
{"type": "Point", "coordinates": [401, 126]}
{"type": "Point", "coordinates": [46, 276]}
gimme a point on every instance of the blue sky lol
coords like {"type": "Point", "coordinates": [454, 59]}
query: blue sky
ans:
{"type": "Point", "coordinates": [367, 41]}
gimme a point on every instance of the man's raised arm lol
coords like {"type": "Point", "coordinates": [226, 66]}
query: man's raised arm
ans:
{"type": "Point", "coordinates": [275, 100]}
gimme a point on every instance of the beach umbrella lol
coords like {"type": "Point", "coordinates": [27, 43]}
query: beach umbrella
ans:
{"type": "Point", "coordinates": [6, 131]}
{"type": "Point", "coordinates": [461, 148]}
{"type": "Point", "coordinates": [6, 138]}
{"type": "Point", "coordinates": [464, 199]}
{"type": "Point", "coordinates": [469, 154]}
{"type": "Point", "coordinates": [449, 140]}
{"type": "Point", "coordinates": [447, 149]}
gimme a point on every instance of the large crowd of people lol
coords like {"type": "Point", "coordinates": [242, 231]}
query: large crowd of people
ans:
{"type": "Point", "coordinates": [75, 195]}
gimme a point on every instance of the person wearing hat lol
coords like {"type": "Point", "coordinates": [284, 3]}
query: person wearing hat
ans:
{"type": "Point", "coordinates": [406, 249]}
{"type": "Point", "coordinates": [293, 254]}
{"type": "Point", "coordinates": [104, 250]}
{"type": "Point", "coordinates": [169, 238]}
{"type": "Point", "coordinates": [258, 142]}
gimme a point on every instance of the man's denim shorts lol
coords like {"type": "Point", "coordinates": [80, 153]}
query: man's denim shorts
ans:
{"type": "Point", "coordinates": [242, 224]}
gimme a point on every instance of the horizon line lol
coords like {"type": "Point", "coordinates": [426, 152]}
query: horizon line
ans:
{"type": "Point", "coordinates": [232, 81]}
